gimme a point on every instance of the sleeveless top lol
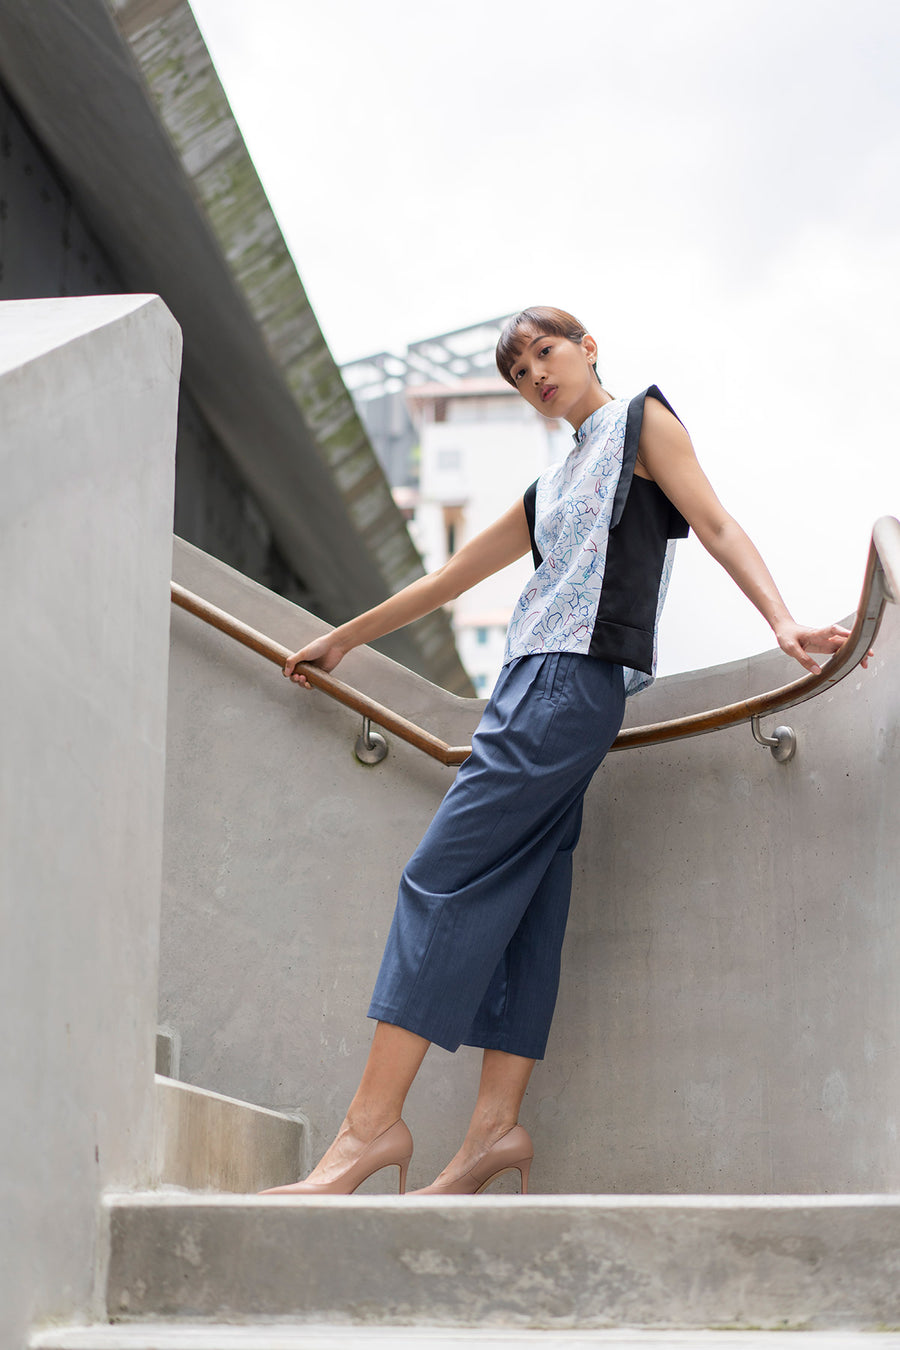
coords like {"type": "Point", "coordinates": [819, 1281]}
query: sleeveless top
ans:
{"type": "Point", "coordinates": [603, 542]}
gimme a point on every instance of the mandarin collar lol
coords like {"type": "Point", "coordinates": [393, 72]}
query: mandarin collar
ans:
{"type": "Point", "coordinates": [588, 427]}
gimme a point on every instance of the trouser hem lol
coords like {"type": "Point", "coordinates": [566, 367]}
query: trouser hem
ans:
{"type": "Point", "coordinates": [501, 1043]}
{"type": "Point", "coordinates": [418, 1028]}
{"type": "Point", "coordinates": [531, 1051]}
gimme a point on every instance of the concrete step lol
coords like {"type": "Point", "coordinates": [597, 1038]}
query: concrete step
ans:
{"type": "Point", "coordinates": [271, 1336]}
{"type": "Point", "coordinates": [547, 1262]}
{"type": "Point", "coordinates": [205, 1141]}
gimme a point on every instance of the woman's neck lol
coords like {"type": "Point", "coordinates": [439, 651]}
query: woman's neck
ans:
{"type": "Point", "coordinates": [589, 405]}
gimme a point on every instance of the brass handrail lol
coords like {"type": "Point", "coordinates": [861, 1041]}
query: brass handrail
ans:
{"type": "Point", "coordinates": [881, 585]}
{"type": "Point", "coordinates": [334, 688]}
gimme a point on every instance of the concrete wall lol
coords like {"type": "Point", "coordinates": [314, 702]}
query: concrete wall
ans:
{"type": "Point", "coordinates": [88, 393]}
{"type": "Point", "coordinates": [729, 1015]}
{"type": "Point", "coordinates": [732, 1016]}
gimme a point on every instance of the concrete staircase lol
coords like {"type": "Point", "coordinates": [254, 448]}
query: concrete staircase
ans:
{"type": "Point", "coordinates": [203, 1263]}
{"type": "Point", "coordinates": [235, 1272]}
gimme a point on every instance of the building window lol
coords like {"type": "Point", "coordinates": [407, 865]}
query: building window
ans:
{"type": "Point", "coordinates": [481, 636]}
{"type": "Point", "coordinates": [448, 461]}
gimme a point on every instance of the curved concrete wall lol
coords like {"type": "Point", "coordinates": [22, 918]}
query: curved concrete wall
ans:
{"type": "Point", "coordinates": [734, 942]}
{"type": "Point", "coordinates": [729, 1018]}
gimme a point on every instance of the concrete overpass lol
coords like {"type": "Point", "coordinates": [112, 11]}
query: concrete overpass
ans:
{"type": "Point", "coordinates": [129, 132]}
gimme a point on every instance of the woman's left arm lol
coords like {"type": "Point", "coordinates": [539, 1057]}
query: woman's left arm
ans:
{"type": "Point", "coordinates": [666, 455]}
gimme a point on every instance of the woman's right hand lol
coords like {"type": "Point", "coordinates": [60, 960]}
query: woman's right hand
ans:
{"type": "Point", "coordinates": [324, 652]}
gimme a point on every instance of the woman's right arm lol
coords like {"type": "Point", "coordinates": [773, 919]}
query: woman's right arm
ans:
{"type": "Point", "coordinates": [490, 551]}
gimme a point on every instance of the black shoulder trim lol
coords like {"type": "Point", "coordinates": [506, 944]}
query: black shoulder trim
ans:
{"type": "Point", "coordinates": [678, 526]}
{"type": "Point", "coordinates": [529, 499]}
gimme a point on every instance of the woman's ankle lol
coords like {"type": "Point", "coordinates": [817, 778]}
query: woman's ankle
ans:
{"type": "Point", "coordinates": [490, 1125]}
{"type": "Point", "coordinates": [368, 1122]}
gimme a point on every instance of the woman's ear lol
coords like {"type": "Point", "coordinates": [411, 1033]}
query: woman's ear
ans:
{"type": "Point", "coordinates": [590, 347]}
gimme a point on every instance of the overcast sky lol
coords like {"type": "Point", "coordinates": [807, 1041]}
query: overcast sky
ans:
{"type": "Point", "coordinates": [713, 187]}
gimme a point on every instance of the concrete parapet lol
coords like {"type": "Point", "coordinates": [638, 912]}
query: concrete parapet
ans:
{"type": "Point", "coordinates": [205, 1141]}
{"type": "Point", "coordinates": [88, 398]}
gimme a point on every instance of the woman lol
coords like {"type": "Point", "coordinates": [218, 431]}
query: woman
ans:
{"type": "Point", "coordinates": [473, 952]}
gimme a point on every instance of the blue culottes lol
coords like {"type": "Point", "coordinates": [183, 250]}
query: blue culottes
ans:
{"type": "Point", "coordinates": [473, 953]}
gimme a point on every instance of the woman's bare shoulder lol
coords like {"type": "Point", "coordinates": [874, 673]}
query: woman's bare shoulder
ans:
{"type": "Point", "coordinates": [661, 435]}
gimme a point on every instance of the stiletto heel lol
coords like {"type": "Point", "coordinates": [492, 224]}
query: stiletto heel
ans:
{"type": "Point", "coordinates": [512, 1152]}
{"type": "Point", "coordinates": [392, 1148]}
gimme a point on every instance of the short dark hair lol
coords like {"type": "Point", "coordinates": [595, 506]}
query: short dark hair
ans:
{"type": "Point", "coordinates": [538, 319]}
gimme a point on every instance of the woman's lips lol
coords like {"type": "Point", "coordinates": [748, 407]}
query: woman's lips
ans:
{"type": "Point", "coordinates": [547, 392]}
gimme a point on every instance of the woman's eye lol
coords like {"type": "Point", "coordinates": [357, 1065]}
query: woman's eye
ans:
{"type": "Point", "coordinates": [544, 351]}
{"type": "Point", "coordinates": [518, 375]}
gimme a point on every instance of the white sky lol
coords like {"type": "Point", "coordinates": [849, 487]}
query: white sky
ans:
{"type": "Point", "coordinates": [713, 187]}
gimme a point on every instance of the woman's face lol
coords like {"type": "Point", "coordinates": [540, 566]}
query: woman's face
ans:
{"type": "Point", "coordinates": [556, 376]}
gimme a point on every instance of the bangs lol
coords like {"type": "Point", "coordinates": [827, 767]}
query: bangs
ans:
{"type": "Point", "coordinates": [538, 319]}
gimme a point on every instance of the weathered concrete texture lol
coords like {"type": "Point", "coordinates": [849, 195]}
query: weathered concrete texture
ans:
{"type": "Point", "coordinates": [88, 393]}
{"type": "Point", "coordinates": [598, 1261]}
{"type": "Point", "coordinates": [172, 55]}
{"type": "Point", "coordinates": [270, 1336]}
{"type": "Point", "coordinates": [205, 1141]}
{"type": "Point", "coordinates": [729, 1010]}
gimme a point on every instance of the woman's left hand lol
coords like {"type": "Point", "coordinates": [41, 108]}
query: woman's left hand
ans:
{"type": "Point", "coordinates": [799, 642]}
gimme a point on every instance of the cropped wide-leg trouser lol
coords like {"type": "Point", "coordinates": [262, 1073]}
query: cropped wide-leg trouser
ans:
{"type": "Point", "coordinates": [473, 952]}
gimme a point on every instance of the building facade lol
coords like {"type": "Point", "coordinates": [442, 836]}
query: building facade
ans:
{"type": "Point", "coordinates": [480, 445]}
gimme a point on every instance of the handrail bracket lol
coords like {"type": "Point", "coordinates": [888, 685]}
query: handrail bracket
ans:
{"type": "Point", "coordinates": [782, 742]}
{"type": "Point", "coordinates": [371, 747]}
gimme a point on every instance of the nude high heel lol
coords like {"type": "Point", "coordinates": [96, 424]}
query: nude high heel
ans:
{"type": "Point", "coordinates": [392, 1148]}
{"type": "Point", "coordinates": [513, 1152]}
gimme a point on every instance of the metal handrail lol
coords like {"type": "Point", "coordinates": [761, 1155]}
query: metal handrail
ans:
{"type": "Point", "coordinates": [334, 688]}
{"type": "Point", "coordinates": [881, 585]}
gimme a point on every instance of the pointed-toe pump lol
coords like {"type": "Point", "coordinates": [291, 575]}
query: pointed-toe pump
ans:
{"type": "Point", "coordinates": [392, 1148]}
{"type": "Point", "coordinates": [513, 1152]}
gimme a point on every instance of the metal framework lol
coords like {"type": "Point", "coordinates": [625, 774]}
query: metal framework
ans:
{"type": "Point", "coordinates": [446, 359]}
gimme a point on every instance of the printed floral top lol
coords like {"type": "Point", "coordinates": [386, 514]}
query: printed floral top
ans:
{"type": "Point", "coordinates": [603, 541]}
